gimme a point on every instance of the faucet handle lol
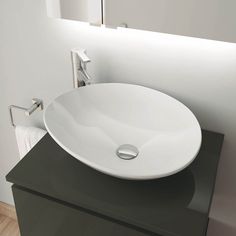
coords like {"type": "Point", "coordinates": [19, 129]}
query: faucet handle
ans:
{"type": "Point", "coordinates": [81, 53]}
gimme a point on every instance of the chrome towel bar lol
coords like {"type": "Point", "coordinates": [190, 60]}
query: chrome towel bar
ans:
{"type": "Point", "coordinates": [37, 103]}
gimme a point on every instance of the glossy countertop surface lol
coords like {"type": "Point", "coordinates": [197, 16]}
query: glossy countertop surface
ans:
{"type": "Point", "coordinates": [173, 206]}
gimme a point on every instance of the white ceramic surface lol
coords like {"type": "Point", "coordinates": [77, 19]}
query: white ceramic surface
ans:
{"type": "Point", "coordinates": [91, 122]}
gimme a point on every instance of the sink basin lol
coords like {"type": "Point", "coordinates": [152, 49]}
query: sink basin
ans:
{"type": "Point", "coordinates": [127, 131]}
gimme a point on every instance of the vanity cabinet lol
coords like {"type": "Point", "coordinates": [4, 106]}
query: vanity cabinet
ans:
{"type": "Point", "coordinates": [39, 215]}
{"type": "Point", "coordinates": [56, 195]}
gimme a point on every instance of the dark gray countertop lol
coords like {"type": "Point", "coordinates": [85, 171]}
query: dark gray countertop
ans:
{"type": "Point", "coordinates": [173, 206]}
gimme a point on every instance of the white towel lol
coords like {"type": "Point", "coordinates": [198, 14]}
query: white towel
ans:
{"type": "Point", "coordinates": [27, 137]}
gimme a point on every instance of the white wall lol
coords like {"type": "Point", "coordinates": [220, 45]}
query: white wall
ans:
{"type": "Point", "coordinates": [35, 62]}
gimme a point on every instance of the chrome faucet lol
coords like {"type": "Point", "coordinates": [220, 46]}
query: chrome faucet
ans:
{"type": "Point", "coordinates": [79, 63]}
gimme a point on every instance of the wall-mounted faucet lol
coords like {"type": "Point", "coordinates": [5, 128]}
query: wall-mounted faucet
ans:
{"type": "Point", "coordinates": [79, 63]}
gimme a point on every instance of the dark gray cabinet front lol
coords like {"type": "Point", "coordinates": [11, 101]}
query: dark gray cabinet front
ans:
{"type": "Point", "coordinates": [42, 216]}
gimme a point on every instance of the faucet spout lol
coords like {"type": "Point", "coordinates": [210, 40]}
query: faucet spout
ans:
{"type": "Point", "coordinates": [86, 76]}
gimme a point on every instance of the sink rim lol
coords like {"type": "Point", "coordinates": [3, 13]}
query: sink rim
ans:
{"type": "Point", "coordinates": [114, 172]}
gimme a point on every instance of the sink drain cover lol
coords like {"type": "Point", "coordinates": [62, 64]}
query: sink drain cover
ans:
{"type": "Point", "coordinates": [127, 152]}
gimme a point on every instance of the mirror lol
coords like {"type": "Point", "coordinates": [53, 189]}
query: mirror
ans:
{"type": "Point", "coordinates": [137, 14]}
{"type": "Point", "coordinates": [196, 18]}
{"type": "Point", "coordinates": [80, 10]}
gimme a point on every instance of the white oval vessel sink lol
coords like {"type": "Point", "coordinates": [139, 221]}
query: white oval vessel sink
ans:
{"type": "Point", "coordinates": [127, 131]}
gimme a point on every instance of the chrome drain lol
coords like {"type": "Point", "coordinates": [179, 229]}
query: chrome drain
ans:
{"type": "Point", "coordinates": [127, 152]}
